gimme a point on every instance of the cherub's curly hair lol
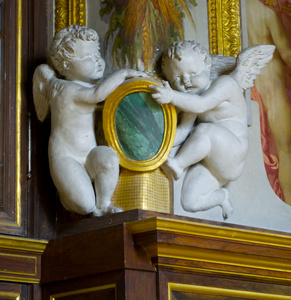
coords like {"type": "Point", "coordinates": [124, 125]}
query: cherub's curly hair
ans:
{"type": "Point", "coordinates": [63, 44]}
{"type": "Point", "coordinates": [178, 50]}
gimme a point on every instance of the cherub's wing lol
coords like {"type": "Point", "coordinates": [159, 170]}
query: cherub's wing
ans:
{"type": "Point", "coordinates": [221, 65]}
{"type": "Point", "coordinates": [41, 84]}
{"type": "Point", "coordinates": [250, 62]}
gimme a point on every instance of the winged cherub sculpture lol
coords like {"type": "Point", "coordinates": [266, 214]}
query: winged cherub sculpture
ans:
{"type": "Point", "coordinates": [70, 91]}
{"type": "Point", "coordinates": [212, 132]}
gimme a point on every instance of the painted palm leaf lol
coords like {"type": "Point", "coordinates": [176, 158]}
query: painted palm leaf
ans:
{"type": "Point", "coordinates": [139, 29]}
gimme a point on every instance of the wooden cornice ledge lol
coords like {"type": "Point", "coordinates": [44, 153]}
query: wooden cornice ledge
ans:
{"type": "Point", "coordinates": [222, 251]}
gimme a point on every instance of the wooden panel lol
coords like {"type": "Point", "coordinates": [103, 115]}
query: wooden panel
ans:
{"type": "Point", "coordinates": [18, 264]}
{"type": "Point", "coordinates": [20, 259]}
{"type": "Point", "coordinates": [140, 285]}
{"type": "Point", "coordinates": [9, 291]}
{"type": "Point", "coordinates": [101, 292]}
{"type": "Point", "coordinates": [93, 252]}
{"type": "Point", "coordinates": [41, 191]}
{"type": "Point", "coordinates": [183, 291]}
{"type": "Point", "coordinates": [185, 284]}
{"type": "Point", "coordinates": [83, 254]}
{"type": "Point", "coordinates": [104, 284]}
{"type": "Point", "coordinates": [190, 296]}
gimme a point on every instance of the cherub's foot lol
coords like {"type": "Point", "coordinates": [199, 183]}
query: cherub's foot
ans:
{"type": "Point", "coordinates": [173, 168]}
{"type": "Point", "coordinates": [226, 205]}
{"type": "Point", "coordinates": [97, 212]}
{"type": "Point", "coordinates": [106, 210]}
{"type": "Point", "coordinates": [112, 209]}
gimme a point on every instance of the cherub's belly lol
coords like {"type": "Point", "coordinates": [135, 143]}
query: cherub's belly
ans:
{"type": "Point", "coordinates": [77, 148]}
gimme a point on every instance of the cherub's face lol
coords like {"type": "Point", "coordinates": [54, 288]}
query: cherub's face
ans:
{"type": "Point", "coordinates": [87, 65]}
{"type": "Point", "coordinates": [188, 75]}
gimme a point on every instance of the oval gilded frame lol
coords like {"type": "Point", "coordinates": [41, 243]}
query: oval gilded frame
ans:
{"type": "Point", "coordinates": [109, 110]}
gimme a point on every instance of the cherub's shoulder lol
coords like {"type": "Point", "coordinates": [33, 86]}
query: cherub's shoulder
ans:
{"type": "Point", "coordinates": [225, 80]}
{"type": "Point", "coordinates": [62, 87]}
{"type": "Point", "coordinates": [223, 87]}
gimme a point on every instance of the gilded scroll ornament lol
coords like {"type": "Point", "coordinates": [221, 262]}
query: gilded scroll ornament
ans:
{"type": "Point", "coordinates": [224, 27]}
{"type": "Point", "coordinates": [69, 12]}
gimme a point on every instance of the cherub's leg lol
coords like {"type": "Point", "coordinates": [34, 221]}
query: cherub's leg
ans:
{"type": "Point", "coordinates": [73, 184]}
{"type": "Point", "coordinates": [195, 148]}
{"type": "Point", "coordinates": [202, 191]}
{"type": "Point", "coordinates": [103, 167]}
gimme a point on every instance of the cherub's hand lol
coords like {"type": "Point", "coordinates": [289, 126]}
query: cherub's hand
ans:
{"type": "Point", "coordinates": [162, 95]}
{"type": "Point", "coordinates": [130, 73]}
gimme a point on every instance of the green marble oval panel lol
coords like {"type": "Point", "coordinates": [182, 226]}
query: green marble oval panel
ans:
{"type": "Point", "coordinates": [139, 124]}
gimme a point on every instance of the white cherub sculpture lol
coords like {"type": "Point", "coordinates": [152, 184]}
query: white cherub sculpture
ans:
{"type": "Point", "coordinates": [71, 94]}
{"type": "Point", "coordinates": [214, 150]}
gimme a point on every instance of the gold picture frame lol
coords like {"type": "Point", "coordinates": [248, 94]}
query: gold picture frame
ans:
{"type": "Point", "coordinates": [109, 125]}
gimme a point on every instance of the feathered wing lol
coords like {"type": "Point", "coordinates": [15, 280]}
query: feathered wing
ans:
{"type": "Point", "coordinates": [250, 62]}
{"type": "Point", "coordinates": [41, 90]}
{"type": "Point", "coordinates": [221, 65]}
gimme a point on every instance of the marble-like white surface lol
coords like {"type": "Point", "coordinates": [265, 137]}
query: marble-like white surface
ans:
{"type": "Point", "coordinates": [254, 201]}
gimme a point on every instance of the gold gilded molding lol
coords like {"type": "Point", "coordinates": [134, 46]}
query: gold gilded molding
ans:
{"type": "Point", "coordinates": [224, 27]}
{"type": "Point", "coordinates": [8, 295]}
{"type": "Point", "coordinates": [208, 290]}
{"type": "Point", "coordinates": [18, 113]}
{"type": "Point", "coordinates": [69, 12]}
{"type": "Point", "coordinates": [185, 254]}
{"type": "Point", "coordinates": [219, 258]}
{"type": "Point", "coordinates": [17, 220]}
{"type": "Point", "coordinates": [84, 291]}
{"type": "Point", "coordinates": [61, 14]}
{"type": "Point", "coordinates": [206, 230]}
{"type": "Point", "coordinates": [15, 243]}
{"type": "Point", "coordinates": [110, 106]}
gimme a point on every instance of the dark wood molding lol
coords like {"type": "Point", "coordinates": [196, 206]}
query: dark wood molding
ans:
{"type": "Point", "coordinates": [176, 255]}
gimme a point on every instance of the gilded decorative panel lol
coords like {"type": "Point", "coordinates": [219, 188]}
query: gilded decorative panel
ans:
{"type": "Point", "coordinates": [69, 12]}
{"type": "Point", "coordinates": [224, 27]}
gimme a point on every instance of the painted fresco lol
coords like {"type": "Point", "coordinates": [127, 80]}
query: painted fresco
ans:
{"type": "Point", "coordinates": [133, 34]}
{"type": "Point", "coordinates": [269, 22]}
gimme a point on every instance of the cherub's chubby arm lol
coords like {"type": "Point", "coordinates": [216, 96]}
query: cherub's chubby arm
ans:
{"type": "Point", "coordinates": [94, 94]}
{"type": "Point", "coordinates": [193, 103]}
{"type": "Point", "coordinates": [184, 127]}
{"type": "Point", "coordinates": [107, 86]}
